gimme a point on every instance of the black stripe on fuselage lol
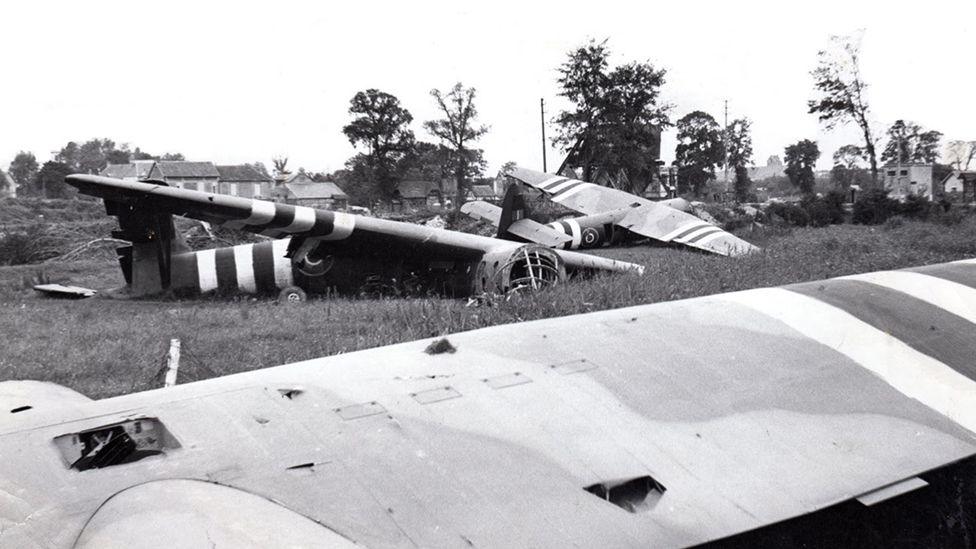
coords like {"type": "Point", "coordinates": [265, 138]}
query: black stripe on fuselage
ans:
{"type": "Point", "coordinates": [960, 273]}
{"type": "Point", "coordinates": [264, 271]}
{"type": "Point", "coordinates": [924, 327]}
{"type": "Point", "coordinates": [183, 272]}
{"type": "Point", "coordinates": [226, 270]}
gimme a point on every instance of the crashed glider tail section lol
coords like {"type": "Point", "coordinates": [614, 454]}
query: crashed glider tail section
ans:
{"type": "Point", "coordinates": [663, 425]}
{"type": "Point", "coordinates": [638, 215]}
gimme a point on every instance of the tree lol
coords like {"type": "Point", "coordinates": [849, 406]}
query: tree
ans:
{"type": "Point", "coordinates": [842, 99]}
{"type": "Point", "coordinates": [801, 158]}
{"type": "Point", "coordinates": [959, 154]}
{"type": "Point", "coordinates": [698, 152]}
{"type": "Point", "coordinates": [49, 181]}
{"type": "Point", "coordinates": [848, 168]}
{"type": "Point", "coordinates": [280, 164]}
{"type": "Point", "coordinates": [616, 120]}
{"type": "Point", "coordinates": [93, 155]}
{"type": "Point", "coordinates": [23, 169]}
{"type": "Point", "coordinates": [382, 126]}
{"type": "Point", "coordinates": [427, 162]}
{"type": "Point", "coordinates": [456, 130]}
{"type": "Point", "coordinates": [908, 143]}
{"type": "Point", "coordinates": [738, 149]}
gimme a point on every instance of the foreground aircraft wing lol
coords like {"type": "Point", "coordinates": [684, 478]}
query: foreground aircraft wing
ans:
{"type": "Point", "coordinates": [665, 222]}
{"type": "Point", "coordinates": [663, 425]}
{"type": "Point", "coordinates": [355, 234]}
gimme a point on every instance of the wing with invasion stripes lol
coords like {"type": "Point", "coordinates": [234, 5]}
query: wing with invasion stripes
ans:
{"type": "Point", "coordinates": [579, 196]}
{"type": "Point", "coordinates": [663, 425]}
{"type": "Point", "coordinates": [344, 231]}
{"type": "Point", "coordinates": [669, 225]}
{"type": "Point", "coordinates": [641, 216]}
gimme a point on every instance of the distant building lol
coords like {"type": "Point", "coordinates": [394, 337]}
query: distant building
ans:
{"type": "Point", "coordinates": [301, 190]}
{"type": "Point", "coordinates": [195, 176]}
{"type": "Point", "coordinates": [481, 192]}
{"type": "Point", "coordinates": [774, 168]}
{"type": "Point", "coordinates": [902, 180]}
{"type": "Point", "coordinates": [245, 181]}
{"type": "Point", "coordinates": [960, 186]}
{"type": "Point", "coordinates": [417, 194]}
{"type": "Point", "coordinates": [8, 187]}
{"type": "Point", "coordinates": [136, 170]}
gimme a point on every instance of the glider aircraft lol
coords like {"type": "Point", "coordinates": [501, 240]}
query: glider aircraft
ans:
{"type": "Point", "coordinates": [663, 425]}
{"type": "Point", "coordinates": [316, 250]}
{"type": "Point", "coordinates": [609, 216]}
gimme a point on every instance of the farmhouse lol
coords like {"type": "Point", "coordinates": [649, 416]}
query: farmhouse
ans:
{"type": "Point", "coordinates": [244, 181]}
{"type": "Point", "coordinates": [195, 176]}
{"type": "Point", "coordinates": [481, 192]}
{"type": "Point", "coordinates": [417, 194]}
{"type": "Point", "coordinates": [301, 190]}
{"type": "Point", "coordinates": [960, 186]}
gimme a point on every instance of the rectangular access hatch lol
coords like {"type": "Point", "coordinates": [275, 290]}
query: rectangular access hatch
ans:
{"type": "Point", "coordinates": [115, 444]}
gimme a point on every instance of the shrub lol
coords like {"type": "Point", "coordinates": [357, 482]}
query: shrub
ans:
{"type": "Point", "coordinates": [790, 214]}
{"type": "Point", "coordinates": [874, 207]}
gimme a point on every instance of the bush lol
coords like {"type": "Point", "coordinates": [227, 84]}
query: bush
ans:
{"type": "Point", "coordinates": [825, 210]}
{"type": "Point", "coordinates": [874, 207]}
{"type": "Point", "coordinates": [790, 214]}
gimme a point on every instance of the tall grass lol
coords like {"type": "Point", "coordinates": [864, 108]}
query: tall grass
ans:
{"type": "Point", "coordinates": [105, 347]}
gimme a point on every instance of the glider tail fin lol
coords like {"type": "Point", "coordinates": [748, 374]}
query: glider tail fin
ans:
{"type": "Point", "coordinates": [514, 208]}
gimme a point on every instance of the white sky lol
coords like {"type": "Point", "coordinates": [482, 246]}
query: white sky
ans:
{"type": "Point", "coordinates": [244, 81]}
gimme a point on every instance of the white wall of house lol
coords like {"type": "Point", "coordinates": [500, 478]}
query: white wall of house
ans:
{"type": "Point", "coordinates": [913, 179]}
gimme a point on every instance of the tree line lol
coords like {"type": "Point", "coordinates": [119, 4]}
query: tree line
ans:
{"type": "Point", "coordinates": [611, 133]}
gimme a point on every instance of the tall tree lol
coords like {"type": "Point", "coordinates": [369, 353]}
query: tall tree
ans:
{"type": "Point", "coordinates": [739, 154]}
{"type": "Point", "coordinates": [380, 125]}
{"type": "Point", "coordinates": [959, 154]}
{"type": "Point", "coordinates": [49, 181]}
{"type": "Point", "coordinates": [698, 152]}
{"type": "Point", "coordinates": [801, 158]}
{"type": "Point", "coordinates": [848, 167]}
{"type": "Point", "coordinates": [616, 119]}
{"type": "Point", "coordinates": [23, 168]}
{"type": "Point", "coordinates": [841, 89]}
{"type": "Point", "coordinates": [456, 131]}
{"type": "Point", "coordinates": [908, 142]}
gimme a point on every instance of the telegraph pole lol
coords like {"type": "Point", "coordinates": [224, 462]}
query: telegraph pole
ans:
{"type": "Point", "coordinates": [725, 145]}
{"type": "Point", "coordinates": [542, 120]}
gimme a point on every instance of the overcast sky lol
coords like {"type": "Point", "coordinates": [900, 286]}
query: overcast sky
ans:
{"type": "Point", "coordinates": [244, 81]}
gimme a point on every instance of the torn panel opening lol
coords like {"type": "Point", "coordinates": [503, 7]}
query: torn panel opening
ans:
{"type": "Point", "coordinates": [115, 444]}
{"type": "Point", "coordinates": [634, 495]}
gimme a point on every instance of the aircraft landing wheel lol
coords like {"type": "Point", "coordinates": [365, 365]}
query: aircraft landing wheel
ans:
{"type": "Point", "coordinates": [292, 294]}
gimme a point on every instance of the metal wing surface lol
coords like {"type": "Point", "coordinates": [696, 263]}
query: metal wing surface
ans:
{"type": "Point", "coordinates": [585, 198]}
{"type": "Point", "coordinates": [717, 415]}
{"type": "Point", "coordinates": [526, 228]}
{"type": "Point", "coordinates": [355, 233]}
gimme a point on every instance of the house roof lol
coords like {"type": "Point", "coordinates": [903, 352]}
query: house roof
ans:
{"type": "Point", "coordinates": [182, 168]}
{"type": "Point", "coordinates": [967, 176]}
{"type": "Point", "coordinates": [483, 191]}
{"type": "Point", "coordinates": [139, 169]}
{"type": "Point", "coordinates": [323, 189]}
{"type": "Point", "coordinates": [241, 172]}
{"type": "Point", "coordinates": [417, 188]}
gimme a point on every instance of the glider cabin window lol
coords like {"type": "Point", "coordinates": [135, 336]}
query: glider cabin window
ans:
{"type": "Point", "coordinates": [115, 444]}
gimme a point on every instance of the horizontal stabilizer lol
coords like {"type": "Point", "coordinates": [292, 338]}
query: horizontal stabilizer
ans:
{"type": "Point", "coordinates": [533, 231]}
{"type": "Point", "coordinates": [576, 260]}
{"type": "Point", "coordinates": [479, 209]}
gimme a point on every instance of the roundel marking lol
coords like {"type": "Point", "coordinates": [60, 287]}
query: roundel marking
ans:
{"type": "Point", "coordinates": [590, 236]}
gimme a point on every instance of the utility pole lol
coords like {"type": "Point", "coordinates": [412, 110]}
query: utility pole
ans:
{"type": "Point", "coordinates": [725, 145]}
{"type": "Point", "coordinates": [542, 120]}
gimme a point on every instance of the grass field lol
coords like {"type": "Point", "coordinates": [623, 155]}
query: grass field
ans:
{"type": "Point", "coordinates": [105, 347]}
